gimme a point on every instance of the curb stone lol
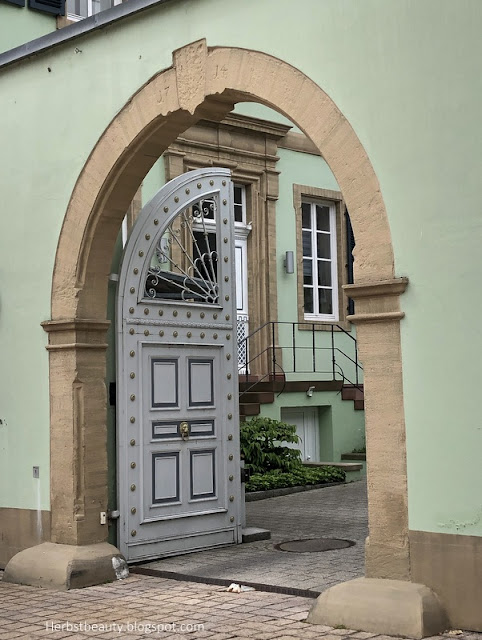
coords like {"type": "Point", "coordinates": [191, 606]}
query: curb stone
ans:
{"type": "Point", "coordinates": [253, 496]}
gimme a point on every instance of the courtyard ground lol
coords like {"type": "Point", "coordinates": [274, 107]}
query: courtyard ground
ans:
{"type": "Point", "coordinates": [148, 607]}
{"type": "Point", "coordinates": [335, 512]}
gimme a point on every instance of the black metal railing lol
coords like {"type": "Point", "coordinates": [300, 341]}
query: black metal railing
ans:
{"type": "Point", "coordinates": [282, 348]}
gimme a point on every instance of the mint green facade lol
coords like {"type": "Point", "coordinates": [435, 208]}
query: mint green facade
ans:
{"type": "Point", "coordinates": [414, 102]}
{"type": "Point", "coordinates": [18, 25]}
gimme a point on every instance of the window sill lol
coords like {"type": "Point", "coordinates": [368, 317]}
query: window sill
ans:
{"type": "Point", "coordinates": [324, 325]}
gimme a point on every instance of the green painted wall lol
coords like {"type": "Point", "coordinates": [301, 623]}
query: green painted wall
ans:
{"type": "Point", "coordinates": [154, 180]}
{"type": "Point", "coordinates": [18, 25]}
{"type": "Point", "coordinates": [255, 110]}
{"type": "Point", "coordinates": [342, 429]}
{"type": "Point", "coordinates": [406, 74]}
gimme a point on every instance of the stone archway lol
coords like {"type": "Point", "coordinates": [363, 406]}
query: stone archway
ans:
{"type": "Point", "coordinates": [206, 82]}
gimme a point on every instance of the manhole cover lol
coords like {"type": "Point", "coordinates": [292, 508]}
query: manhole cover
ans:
{"type": "Point", "coordinates": [314, 545]}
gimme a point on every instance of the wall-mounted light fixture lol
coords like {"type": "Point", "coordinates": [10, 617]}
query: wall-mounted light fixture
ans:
{"type": "Point", "coordinates": [309, 393]}
{"type": "Point", "coordinates": [289, 262]}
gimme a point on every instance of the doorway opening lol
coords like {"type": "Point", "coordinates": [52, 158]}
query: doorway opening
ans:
{"type": "Point", "coordinates": [107, 185]}
{"type": "Point", "coordinates": [265, 219]}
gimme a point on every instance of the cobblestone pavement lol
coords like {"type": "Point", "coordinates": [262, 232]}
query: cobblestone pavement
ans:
{"type": "Point", "coordinates": [149, 607]}
{"type": "Point", "coordinates": [145, 607]}
{"type": "Point", "coordinates": [339, 512]}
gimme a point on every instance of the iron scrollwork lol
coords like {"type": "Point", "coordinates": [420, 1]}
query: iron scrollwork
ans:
{"type": "Point", "coordinates": [184, 264]}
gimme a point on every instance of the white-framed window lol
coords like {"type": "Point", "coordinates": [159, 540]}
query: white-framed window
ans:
{"type": "Point", "coordinates": [320, 273]}
{"type": "Point", "coordinates": [79, 9]}
{"type": "Point", "coordinates": [239, 204]}
{"type": "Point", "coordinates": [207, 241]}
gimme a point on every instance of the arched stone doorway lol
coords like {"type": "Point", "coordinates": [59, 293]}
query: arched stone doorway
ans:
{"type": "Point", "coordinates": [206, 82]}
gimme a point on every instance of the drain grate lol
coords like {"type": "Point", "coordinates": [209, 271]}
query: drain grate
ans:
{"type": "Point", "coordinates": [314, 545]}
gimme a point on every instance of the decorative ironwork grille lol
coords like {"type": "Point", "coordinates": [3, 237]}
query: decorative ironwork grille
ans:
{"type": "Point", "coordinates": [185, 261]}
{"type": "Point", "coordinates": [241, 333]}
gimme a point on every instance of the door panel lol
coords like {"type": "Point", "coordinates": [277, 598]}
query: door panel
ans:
{"type": "Point", "coordinates": [178, 425]}
{"type": "Point", "coordinates": [164, 382]}
{"type": "Point", "coordinates": [181, 438]}
{"type": "Point", "coordinates": [203, 474]}
{"type": "Point", "coordinates": [165, 478]}
{"type": "Point", "coordinates": [307, 428]}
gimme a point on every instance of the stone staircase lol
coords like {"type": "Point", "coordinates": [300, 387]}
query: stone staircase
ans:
{"type": "Point", "coordinates": [355, 393]}
{"type": "Point", "coordinates": [255, 392]}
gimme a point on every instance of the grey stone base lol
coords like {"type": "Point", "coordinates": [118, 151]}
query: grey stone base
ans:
{"type": "Point", "coordinates": [64, 566]}
{"type": "Point", "coordinates": [388, 607]}
{"type": "Point", "coordinates": [253, 534]}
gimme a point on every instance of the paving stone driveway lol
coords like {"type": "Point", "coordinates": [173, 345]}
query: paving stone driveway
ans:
{"type": "Point", "coordinates": [339, 512]}
{"type": "Point", "coordinates": [143, 607]}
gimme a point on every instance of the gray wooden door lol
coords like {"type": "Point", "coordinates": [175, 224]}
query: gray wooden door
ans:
{"type": "Point", "coordinates": [178, 425]}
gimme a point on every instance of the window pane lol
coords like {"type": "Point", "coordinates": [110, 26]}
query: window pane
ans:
{"type": "Point", "coordinates": [238, 194]}
{"type": "Point", "coordinates": [308, 292]}
{"type": "Point", "coordinates": [323, 245]}
{"type": "Point", "coordinates": [324, 273]}
{"type": "Point", "coordinates": [325, 304]}
{"type": "Point", "coordinates": [322, 218]}
{"type": "Point", "coordinates": [306, 215]}
{"type": "Point", "coordinates": [101, 5]}
{"type": "Point", "coordinates": [306, 244]}
{"type": "Point", "coordinates": [204, 256]}
{"type": "Point", "coordinates": [307, 272]}
{"type": "Point", "coordinates": [238, 213]}
{"type": "Point", "coordinates": [77, 7]}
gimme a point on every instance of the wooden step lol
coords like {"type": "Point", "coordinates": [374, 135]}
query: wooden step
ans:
{"type": "Point", "coordinates": [258, 397]}
{"type": "Point", "coordinates": [352, 392]}
{"type": "Point", "coordinates": [291, 386]}
{"type": "Point", "coordinates": [250, 409]}
{"type": "Point", "coordinates": [248, 379]}
{"type": "Point", "coordinates": [256, 384]}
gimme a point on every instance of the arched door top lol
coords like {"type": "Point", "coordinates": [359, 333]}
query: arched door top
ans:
{"type": "Point", "coordinates": [205, 83]}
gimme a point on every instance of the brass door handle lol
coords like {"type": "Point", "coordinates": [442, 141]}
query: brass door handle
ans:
{"type": "Point", "coordinates": [184, 430]}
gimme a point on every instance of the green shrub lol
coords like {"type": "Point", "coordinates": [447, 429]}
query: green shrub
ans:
{"type": "Point", "coordinates": [277, 479]}
{"type": "Point", "coordinates": [274, 465]}
{"type": "Point", "coordinates": [263, 448]}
